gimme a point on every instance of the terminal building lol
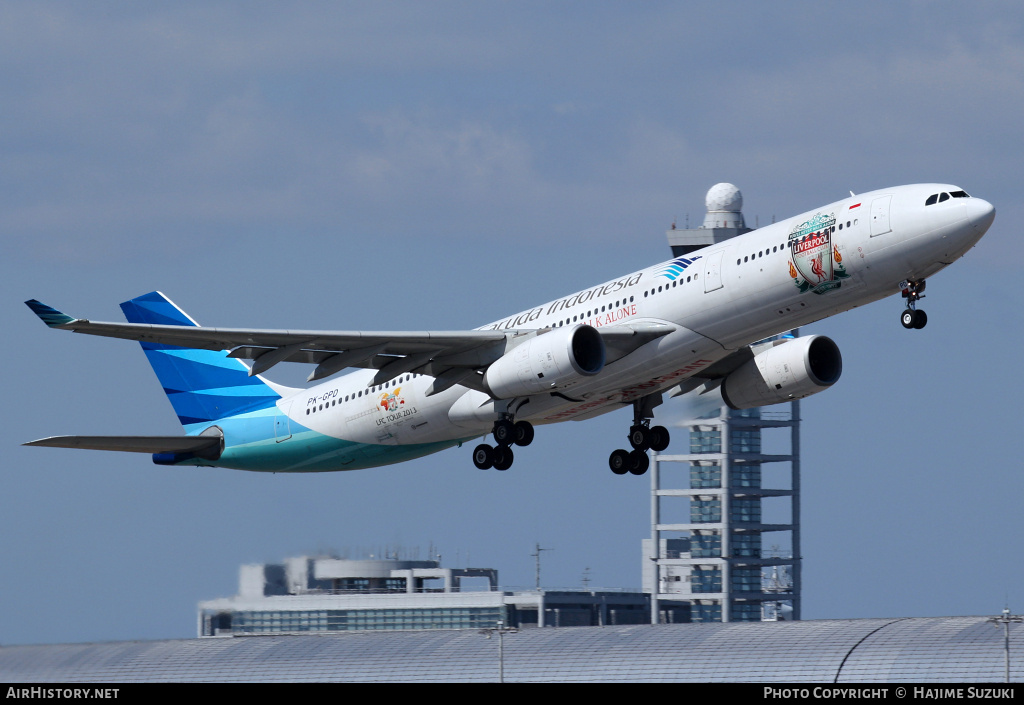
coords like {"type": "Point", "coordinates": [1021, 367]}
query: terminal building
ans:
{"type": "Point", "coordinates": [325, 594]}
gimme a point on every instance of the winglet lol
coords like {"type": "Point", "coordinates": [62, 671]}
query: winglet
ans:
{"type": "Point", "coordinates": [50, 316]}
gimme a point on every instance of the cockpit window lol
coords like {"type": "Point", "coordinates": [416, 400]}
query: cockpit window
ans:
{"type": "Point", "coordinates": [940, 197]}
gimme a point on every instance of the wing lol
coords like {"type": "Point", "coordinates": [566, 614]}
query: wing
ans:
{"type": "Point", "coordinates": [392, 352]}
{"type": "Point", "coordinates": [451, 357]}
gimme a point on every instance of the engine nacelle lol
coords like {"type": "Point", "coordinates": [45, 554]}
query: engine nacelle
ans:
{"type": "Point", "coordinates": [549, 361]}
{"type": "Point", "coordinates": [791, 370]}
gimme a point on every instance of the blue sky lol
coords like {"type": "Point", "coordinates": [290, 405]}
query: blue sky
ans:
{"type": "Point", "coordinates": [441, 165]}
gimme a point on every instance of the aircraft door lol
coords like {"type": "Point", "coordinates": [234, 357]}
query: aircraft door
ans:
{"type": "Point", "coordinates": [880, 216]}
{"type": "Point", "coordinates": [282, 424]}
{"type": "Point", "coordinates": [713, 271]}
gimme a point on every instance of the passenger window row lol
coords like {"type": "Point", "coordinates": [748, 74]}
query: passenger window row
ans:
{"type": "Point", "coordinates": [760, 253]}
{"type": "Point", "coordinates": [360, 393]}
{"type": "Point", "coordinates": [666, 287]}
{"type": "Point", "coordinates": [594, 312]}
{"type": "Point", "coordinates": [780, 248]}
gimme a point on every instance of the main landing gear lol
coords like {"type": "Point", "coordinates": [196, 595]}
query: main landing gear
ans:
{"type": "Point", "coordinates": [912, 317]}
{"type": "Point", "coordinates": [506, 433]}
{"type": "Point", "coordinates": [642, 437]}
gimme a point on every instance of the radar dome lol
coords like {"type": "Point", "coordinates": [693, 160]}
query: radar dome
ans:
{"type": "Point", "coordinates": [724, 197]}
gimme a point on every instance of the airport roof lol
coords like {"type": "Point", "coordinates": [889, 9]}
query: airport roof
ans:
{"type": "Point", "coordinates": [950, 649]}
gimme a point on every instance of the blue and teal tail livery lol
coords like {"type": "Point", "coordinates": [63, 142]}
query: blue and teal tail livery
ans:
{"type": "Point", "coordinates": [202, 385]}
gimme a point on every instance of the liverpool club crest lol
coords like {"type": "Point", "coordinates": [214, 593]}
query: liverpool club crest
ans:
{"type": "Point", "coordinates": [815, 263]}
{"type": "Point", "coordinates": [392, 401]}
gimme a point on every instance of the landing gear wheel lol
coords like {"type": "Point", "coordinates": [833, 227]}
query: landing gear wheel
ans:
{"type": "Point", "coordinates": [619, 461]}
{"type": "Point", "coordinates": [503, 458]}
{"type": "Point", "coordinates": [483, 456]}
{"type": "Point", "coordinates": [523, 433]}
{"type": "Point", "coordinates": [642, 437]}
{"type": "Point", "coordinates": [639, 438]}
{"type": "Point", "coordinates": [913, 292]}
{"type": "Point", "coordinates": [658, 437]}
{"type": "Point", "coordinates": [504, 432]}
{"type": "Point", "coordinates": [638, 462]}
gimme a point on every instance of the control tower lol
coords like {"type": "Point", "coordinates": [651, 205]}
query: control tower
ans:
{"type": "Point", "coordinates": [725, 534]}
{"type": "Point", "coordinates": [724, 220]}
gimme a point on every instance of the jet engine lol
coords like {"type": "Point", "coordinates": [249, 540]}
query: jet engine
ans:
{"type": "Point", "coordinates": [552, 360]}
{"type": "Point", "coordinates": [790, 370]}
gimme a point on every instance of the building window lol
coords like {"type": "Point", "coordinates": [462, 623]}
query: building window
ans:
{"type": "Point", "coordinates": [745, 510]}
{"type": "Point", "coordinates": [745, 545]}
{"type": "Point", "coordinates": [706, 546]}
{"type": "Point", "coordinates": [705, 511]}
{"type": "Point", "coordinates": [745, 441]}
{"type": "Point", "coordinates": [745, 579]}
{"type": "Point", "coordinates": [706, 580]}
{"type": "Point", "coordinates": [705, 475]}
{"type": "Point", "coordinates": [268, 622]}
{"type": "Point", "coordinates": [706, 441]}
{"type": "Point", "coordinates": [745, 475]}
{"type": "Point", "coordinates": [706, 613]}
{"type": "Point", "coordinates": [745, 612]}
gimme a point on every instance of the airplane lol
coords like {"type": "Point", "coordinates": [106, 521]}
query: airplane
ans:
{"type": "Point", "coordinates": [710, 322]}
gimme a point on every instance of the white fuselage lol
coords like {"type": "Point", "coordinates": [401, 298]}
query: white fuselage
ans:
{"type": "Point", "coordinates": [720, 298]}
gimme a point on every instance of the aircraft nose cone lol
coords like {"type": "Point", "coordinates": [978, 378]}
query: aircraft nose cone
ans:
{"type": "Point", "coordinates": [982, 213]}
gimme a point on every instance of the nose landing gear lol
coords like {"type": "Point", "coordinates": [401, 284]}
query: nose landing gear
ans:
{"type": "Point", "coordinates": [912, 317]}
{"type": "Point", "coordinates": [506, 433]}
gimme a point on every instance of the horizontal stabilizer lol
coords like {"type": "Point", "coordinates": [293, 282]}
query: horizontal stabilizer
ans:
{"type": "Point", "coordinates": [200, 446]}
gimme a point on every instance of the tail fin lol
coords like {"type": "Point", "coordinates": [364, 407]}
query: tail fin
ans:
{"type": "Point", "coordinates": [202, 385]}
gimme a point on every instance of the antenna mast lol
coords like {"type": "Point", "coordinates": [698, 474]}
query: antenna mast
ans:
{"type": "Point", "coordinates": [536, 555]}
